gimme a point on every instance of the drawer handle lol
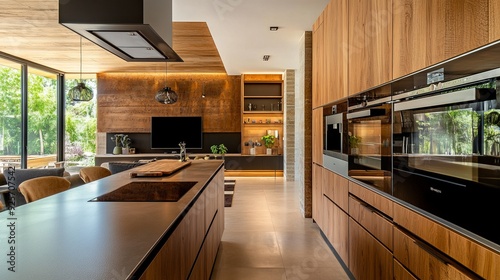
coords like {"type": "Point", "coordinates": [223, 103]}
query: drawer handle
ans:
{"type": "Point", "coordinates": [430, 251]}
{"type": "Point", "coordinates": [374, 211]}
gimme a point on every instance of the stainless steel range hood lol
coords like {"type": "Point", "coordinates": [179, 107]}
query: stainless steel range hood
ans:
{"type": "Point", "coordinates": [135, 30]}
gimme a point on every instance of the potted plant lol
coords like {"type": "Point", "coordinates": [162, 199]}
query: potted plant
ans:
{"type": "Point", "coordinates": [117, 150]}
{"type": "Point", "coordinates": [353, 144]}
{"type": "Point", "coordinates": [218, 149]}
{"type": "Point", "coordinates": [269, 143]}
{"type": "Point", "coordinates": [126, 141]}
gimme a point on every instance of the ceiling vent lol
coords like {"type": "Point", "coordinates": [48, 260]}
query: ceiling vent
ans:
{"type": "Point", "coordinates": [135, 30]}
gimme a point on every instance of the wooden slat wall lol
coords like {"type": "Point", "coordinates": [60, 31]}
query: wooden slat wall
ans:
{"type": "Point", "coordinates": [126, 102]}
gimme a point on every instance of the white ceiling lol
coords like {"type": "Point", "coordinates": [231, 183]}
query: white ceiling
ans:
{"type": "Point", "coordinates": [240, 29]}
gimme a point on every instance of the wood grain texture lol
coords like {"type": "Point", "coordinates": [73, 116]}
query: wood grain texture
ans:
{"type": "Point", "coordinates": [374, 199]}
{"type": "Point", "coordinates": [179, 256]}
{"type": "Point", "coordinates": [401, 273]}
{"type": "Point", "coordinates": [379, 227]}
{"type": "Point", "coordinates": [126, 102]}
{"type": "Point", "coordinates": [370, 44]}
{"type": "Point", "coordinates": [317, 195]}
{"type": "Point", "coordinates": [317, 136]}
{"type": "Point", "coordinates": [165, 166]}
{"type": "Point", "coordinates": [427, 32]}
{"type": "Point", "coordinates": [494, 20]}
{"type": "Point", "coordinates": [31, 26]}
{"type": "Point", "coordinates": [368, 258]}
{"type": "Point", "coordinates": [261, 77]}
{"type": "Point", "coordinates": [335, 51]}
{"type": "Point", "coordinates": [481, 260]}
{"type": "Point", "coordinates": [417, 260]}
{"type": "Point", "coordinates": [429, 231]}
{"type": "Point", "coordinates": [336, 188]}
{"type": "Point", "coordinates": [318, 65]}
{"type": "Point", "coordinates": [211, 203]}
{"type": "Point", "coordinates": [336, 228]}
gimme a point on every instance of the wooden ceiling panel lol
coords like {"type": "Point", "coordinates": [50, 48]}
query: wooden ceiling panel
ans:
{"type": "Point", "coordinates": [30, 30]}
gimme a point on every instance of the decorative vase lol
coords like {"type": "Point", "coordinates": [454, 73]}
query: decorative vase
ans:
{"type": "Point", "coordinates": [125, 151]}
{"type": "Point", "coordinates": [269, 151]}
{"type": "Point", "coordinates": [117, 150]}
{"type": "Point", "coordinates": [252, 151]}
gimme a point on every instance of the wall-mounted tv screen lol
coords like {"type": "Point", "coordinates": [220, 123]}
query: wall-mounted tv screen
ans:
{"type": "Point", "coordinates": [168, 132]}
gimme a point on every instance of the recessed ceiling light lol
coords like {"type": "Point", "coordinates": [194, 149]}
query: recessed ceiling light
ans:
{"type": "Point", "coordinates": [274, 28]}
{"type": "Point", "coordinates": [266, 57]}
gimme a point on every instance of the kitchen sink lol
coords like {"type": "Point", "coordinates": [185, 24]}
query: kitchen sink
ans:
{"type": "Point", "coordinates": [147, 191]}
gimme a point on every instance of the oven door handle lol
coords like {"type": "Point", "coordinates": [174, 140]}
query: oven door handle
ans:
{"type": "Point", "coordinates": [366, 113]}
{"type": "Point", "coordinates": [470, 94]}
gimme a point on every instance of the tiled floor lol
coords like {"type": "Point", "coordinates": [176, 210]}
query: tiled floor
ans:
{"type": "Point", "coordinates": [266, 236]}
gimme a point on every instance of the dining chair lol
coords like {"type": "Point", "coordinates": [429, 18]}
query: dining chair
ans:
{"type": "Point", "coordinates": [40, 187]}
{"type": "Point", "coordinates": [92, 173]}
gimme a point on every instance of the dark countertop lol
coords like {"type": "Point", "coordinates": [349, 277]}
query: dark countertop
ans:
{"type": "Point", "coordinates": [66, 237]}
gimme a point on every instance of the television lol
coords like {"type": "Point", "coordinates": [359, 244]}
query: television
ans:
{"type": "Point", "coordinates": [168, 132]}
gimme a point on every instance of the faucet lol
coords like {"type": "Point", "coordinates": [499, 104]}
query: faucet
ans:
{"type": "Point", "coordinates": [183, 156]}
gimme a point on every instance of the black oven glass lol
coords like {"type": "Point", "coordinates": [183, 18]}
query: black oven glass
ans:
{"type": "Point", "coordinates": [370, 146]}
{"type": "Point", "coordinates": [446, 160]}
{"type": "Point", "coordinates": [333, 141]}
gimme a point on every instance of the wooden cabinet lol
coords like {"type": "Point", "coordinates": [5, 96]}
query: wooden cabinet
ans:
{"type": "Point", "coordinates": [479, 259]}
{"type": "Point", "coordinates": [330, 57]}
{"type": "Point", "coordinates": [427, 32]}
{"type": "Point", "coordinates": [423, 261]}
{"type": "Point", "coordinates": [336, 228]}
{"type": "Point", "coordinates": [335, 50]}
{"type": "Point", "coordinates": [318, 63]}
{"type": "Point", "coordinates": [336, 188]}
{"type": "Point", "coordinates": [317, 195]}
{"type": "Point", "coordinates": [191, 249]}
{"type": "Point", "coordinates": [262, 111]}
{"type": "Point", "coordinates": [401, 273]}
{"type": "Point", "coordinates": [374, 199]}
{"type": "Point", "coordinates": [368, 258]}
{"type": "Point", "coordinates": [494, 20]}
{"type": "Point", "coordinates": [372, 220]}
{"type": "Point", "coordinates": [317, 136]}
{"type": "Point", "coordinates": [370, 44]}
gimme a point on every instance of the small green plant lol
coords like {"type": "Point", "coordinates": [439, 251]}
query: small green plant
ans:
{"type": "Point", "coordinates": [218, 149]}
{"type": "Point", "coordinates": [268, 140]}
{"type": "Point", "coordinates": [118, 138]}
{"type": "Point", "coordinates": [354, 141]}
{"type": "Point", "coordinates": [126, 141]}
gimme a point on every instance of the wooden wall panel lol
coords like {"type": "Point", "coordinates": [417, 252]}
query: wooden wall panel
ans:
{"type": "Point", "coordinates": [427, 32]}
{"type": "Point", "coordinates": [370, 44]}
{"type": "Point", "coordinates": [126, 102]}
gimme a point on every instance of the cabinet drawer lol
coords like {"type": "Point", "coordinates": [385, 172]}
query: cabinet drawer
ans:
{"type": "Point", "coordinates": [372, 221]}
{"type": "Point", "coordinates": [336, 227]}
{"type": "Point", "coordinates": [479, 259]}
{"type": "Point", "coordinates": [424, 261]}
{"type": "Point", "coordinates": [376, 200]}
{"type": "Point", "coordinates": [401, 273]}
{"type": "Point", "coordinates": [368, 258]}
{"type": "Point", "coordinates": [336, 188]}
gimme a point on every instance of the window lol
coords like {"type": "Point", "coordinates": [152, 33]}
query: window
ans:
{"type": "Point", "coordinates": [81, 128]}
{"type": "Point", "coordinates": [42, 118]}
{"type": "Point", "coordinates": [10, 113]}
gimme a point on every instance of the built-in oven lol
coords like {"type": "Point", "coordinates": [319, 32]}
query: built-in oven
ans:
{"type": "Point", "coordinates": [335, 144]}
{"type": "Point", "coordinates": [369, 137]}
{"type": "Point", "coordinates": [446, 156]}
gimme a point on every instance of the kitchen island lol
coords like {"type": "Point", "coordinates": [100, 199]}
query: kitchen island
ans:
{"type": "Point", "coordinates": [69, 236]}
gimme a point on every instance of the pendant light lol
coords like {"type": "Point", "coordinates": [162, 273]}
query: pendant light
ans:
{"type": "Point", "coordinates": [80, 92]}
{"type": "Point", "coordinates": [166, 95]}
